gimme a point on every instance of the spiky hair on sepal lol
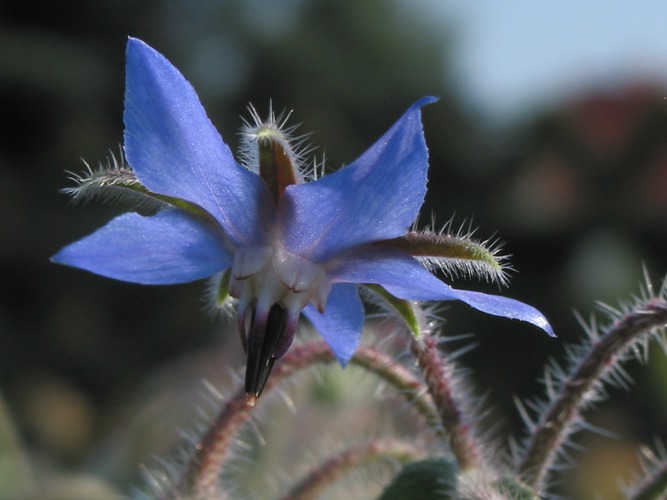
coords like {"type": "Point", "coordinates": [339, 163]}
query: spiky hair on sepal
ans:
{"type": "Point", "coordinates": [116, 182]}
{"type": "Point", "coordinates": [457, 253]}
{"type": "Point", "coordinates": [113, 181]}
{"type": "Point", "coordinates": [274, 128]}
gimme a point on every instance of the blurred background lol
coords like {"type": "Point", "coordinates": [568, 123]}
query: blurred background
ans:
{"type": "Point", "coordinates": [550, 133]}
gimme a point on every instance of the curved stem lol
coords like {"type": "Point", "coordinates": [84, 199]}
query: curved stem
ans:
{"type": "Point", "coordinates": [201, 478]}
{"type": "Point", "coordinates": [556, 422]}
{"type": "Point", "coordinates": [331, 469]}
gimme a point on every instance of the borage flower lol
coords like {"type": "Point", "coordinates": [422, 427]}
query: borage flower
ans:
{"type": "Point", "coordinates": [278, 245]}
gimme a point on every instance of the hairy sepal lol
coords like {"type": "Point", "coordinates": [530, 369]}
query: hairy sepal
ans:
{"type": "Point", "coordinates": [116, 182]}
{"type": "Point", "coordinates": [272, 150]}
{"type": "Point", "coordinates": [455, 255]}
{"type": "Point", "coordinates": [407, 310]}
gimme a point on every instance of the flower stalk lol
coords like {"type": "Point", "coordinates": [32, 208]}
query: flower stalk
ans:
{"type": "Point", "coordinates": [201, 477]}
{"type": "Point", "coordinates": [310, 487]}
{"type": "Point", "coordinates": [449, 405]}
{"type": "Point", "coordinates": [559, 419]}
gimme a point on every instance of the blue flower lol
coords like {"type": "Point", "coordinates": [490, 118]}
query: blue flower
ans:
{"type": "Point", "coordinates": [280, 246]}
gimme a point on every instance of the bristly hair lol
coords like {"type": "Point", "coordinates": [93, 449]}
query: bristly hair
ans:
{"type": "Point", "coordinates": [112, 182]}
{"type": "Point", "coordinates": [217, 299]}
{"type": "Point", "coordinates": [594, 363]}
{"type": "Point", "coordinates": [256, 129]}
{"type": "Point", "coordinates": [457, 253]}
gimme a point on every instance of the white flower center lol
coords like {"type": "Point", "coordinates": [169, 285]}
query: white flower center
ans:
{"type": "Point", "coordinates": [272, 275]}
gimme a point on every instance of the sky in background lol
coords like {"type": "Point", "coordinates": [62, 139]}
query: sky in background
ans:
{"type": "Point", "coordinates": [513, 54]}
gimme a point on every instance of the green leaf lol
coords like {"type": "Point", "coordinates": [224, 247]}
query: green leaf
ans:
{"type": "Point", "coordinates": [430, 479]}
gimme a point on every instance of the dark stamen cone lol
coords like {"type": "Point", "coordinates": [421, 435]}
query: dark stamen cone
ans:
{"type": "Point", "coordinates": [263, 340]}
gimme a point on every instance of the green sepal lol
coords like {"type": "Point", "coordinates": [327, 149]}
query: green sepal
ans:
{"type": "Point", "coordinates": [456, 255]}
{"type": "Point", "coordinates": [117, 182]}
{"type": "Point", "coordinates": [121, 184]}
{"type": "Point", "coordinates": [429, 479]}
{"type": "Point", "coordinates": [222, 290]}
{"type": "Point", "coordinates": [406, 309]}
{"type": "Point", "coordinates": [276, 164]}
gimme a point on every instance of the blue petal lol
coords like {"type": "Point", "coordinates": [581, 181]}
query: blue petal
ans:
{"type": "Point", "coordinates": [340, 324]}
{"type": "Point", "coordinates": [167, 248]}
{"type": "Point", "coordinates": [175, 150]}
{"type": "Point", "coordinates": [505, 307]}
{"type": "Point", "coordinates": [405, 278]}
{"type": "Point", "coordinates": [375, 198]}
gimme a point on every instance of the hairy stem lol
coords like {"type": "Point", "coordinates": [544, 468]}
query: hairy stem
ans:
{"type": "Point", "coordinates": [331, 469]}
{"type": "Point", "coordinates": [200, 480]}
{"type": "Point", "coordinates": [450, 410]}
{"type": "Point", "coordinates": [556, 422]}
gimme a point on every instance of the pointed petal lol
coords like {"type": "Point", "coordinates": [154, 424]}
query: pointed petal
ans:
{"type": "Point", "coordinates": [341, 323]}
{"type": "Point", "coordinates": [375, 198]}
{"type": "Point", "coordinates": [505, 307]}
{"type": "Point", "coordinates": [402, 276]}
{"type": "Point", "coordinates": [170, 247]}
{"type": "Point", "coordinates": [175, 150]}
